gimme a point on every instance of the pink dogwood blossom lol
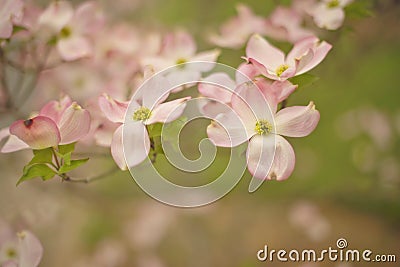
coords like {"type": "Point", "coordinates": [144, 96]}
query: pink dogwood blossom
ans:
{"type": "Point", "coordinates": [72, 28]}
{"type": "Point", "coordinates": [329, 14]}
{"type": "Point", "coordinates": [285, 24]}
{"type": "Point", "coordinates": [58, 123]}
{"type": "Point", "coordinates": [272, 62]}
{"type": "Point", "coordinates": [236, 31]}
{"type": "Point", "coordinates": [22, 249]}
{"type": "Point", "coordinates": [179, 47]}
{"type": "Point", "coordinates": [250, 119]}
{"type": "Point", "coordinates": [139, 142]}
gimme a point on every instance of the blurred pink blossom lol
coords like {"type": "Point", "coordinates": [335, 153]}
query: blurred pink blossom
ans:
{"type": "Point", "coordinates": [72, 28]}
{"type": "Point", "coordinates": [329, 14]}
{"type": "Point", "coordinates": [11, 13]}
{"type": "Point", "coordinates": [22, 249]}
{"type": "Point", "coordinates": [236, 31]}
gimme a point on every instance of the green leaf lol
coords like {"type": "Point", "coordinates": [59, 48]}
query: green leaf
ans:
{"type": "Point", "coordinates": [304, 80]}
{"type": "Point", "coordinates": [155, 129]}
{"type": "Point", "coordinates": [72, 166]}
{"type": "Point", "coordinates": [65, 149]}
{"type": "Point", "coordinates": [67, 158]}
{"type": "Point", "coordinates": [37, 170]}
{"type": "Point", "coordinates": [42, 156]}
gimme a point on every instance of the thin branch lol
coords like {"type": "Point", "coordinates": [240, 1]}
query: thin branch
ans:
{"type": "Point", "coordinates": [67, 178]}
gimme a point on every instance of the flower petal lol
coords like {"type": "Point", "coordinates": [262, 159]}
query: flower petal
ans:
{"type": "Point", "coordinates": [328, 18]}
{"type": "Point", "coordinates": [114, 110]}
{"type": "Point", "coordinates": [218, 86]}
{"type": "Point", "coordinates": [13, 143]}
{"type": "Point", "coordinates": [117, 149]}
{"type": "Point", "coordinates": [30, 250]}
{"type": "Point", "coordinates": [284, 160]}
{"type": "Point", "coordinates": [211, 109]}
{"type": "Point", "coordinates": [74, 47]}
{"type": "Point", "coordinates": [246, 72]}
{"type": "Point", "coordinates": [263, 52]}
{"type": "Point", "coordinates": [74, 124]}
{"type": "Point", "coordinates": [251, 105]}
{"type": "Point", "coordinates": [39, 132]}
{"type": "Point", "coordinates": [167, 112]}
{"type": "Point", "coordinates": [55, 109]}
{"type": "Point", "coordinates": [320, 53]}
{"type": "Point", "coordinates": [227, 130]}
{"type": "Point", "coordinates": [260, 155]}
{"type": "Point", "coordinates": [136, 143]}
{"type": "Point", "coordinates": [155, 90]}
{"type": "Point", "coordinates": [275, 92]}
{"type": "Point", "coordinates": [297, 121]}
{"type": "Point", "coordinates": [57, 15]}
{"type": "Point", "coordinates": [179, 44]}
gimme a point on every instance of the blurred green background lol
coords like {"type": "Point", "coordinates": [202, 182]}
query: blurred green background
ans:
{"type": "Point", "coordinates": [346, 183]}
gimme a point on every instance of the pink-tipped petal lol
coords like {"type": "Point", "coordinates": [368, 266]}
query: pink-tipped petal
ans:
{"type": "Point", "coordinates": [320, 53]}
{"type": "Point", "coordinates": [297, 121]}
{"type": "Point", "coordinates": [39, 132]}
{"type": "Point", "coordinates": [30, 250]}
{"type": "Point", "coordinates": [74, 48]}
{"type": "Point", "coordinates": [260, 154]}
{"type": "Point", "coordinates": [167, 112]}
{"type": "Point", "coordinates": [57, 15]}
{"type": "Point", "coordinates": [211, 109]}
{"type": "Point", "coordinates": [136, 143]}
{"type": "Point", "coordinates": [114, 110]}
{"type": "Point", "coordinates": [263, 52]}
{"type": "Point", "coordinates": [246, 72]}
{"type": "Point", "coordinates": [301, 48]}
{"type": "Point", "coordinates": [158, 88]}
{"type": "Point", "coordinates": [13, 144]}
{"type": "Point", "coordinates": [218, 86]}
{"type": "Point", "coordinates": [276, 91]}
{"type": "Point", "coordinates": [228, 130]}
{"type": "Point", "coordinates": [284, 160]}
{"type": "Point", "coordinates": [250, 104]}
{"type": "Point", "coordinates": [103, 135]}
{"type": "Point", "coordinates": [55, 109]}
{"type": "Point", "coordinates": [74, 124]}
{"type": "Point", "coordinates": [117, 150]}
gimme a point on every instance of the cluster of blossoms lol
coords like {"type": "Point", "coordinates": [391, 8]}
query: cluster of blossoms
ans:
{"type": "Point", "coordinates": [93, 67]}
{"type": "Point", "coordinates": [74, 54]}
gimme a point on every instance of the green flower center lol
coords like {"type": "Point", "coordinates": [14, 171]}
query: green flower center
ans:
{"type": "Point", "coordinates": [263, 127]}
{"type": "Point", "coordinates": [181, 61]}
{"type": "Point", "coordinates": [281, 69]}
{"type": "Point", "coordinates": [333, 3]}
{"type": "Point", "coordinates": [141, 114]}
{"type": "Point", "coordinates": [11, 253]}
{"type": "Point", "coordinates": [65, 32]}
